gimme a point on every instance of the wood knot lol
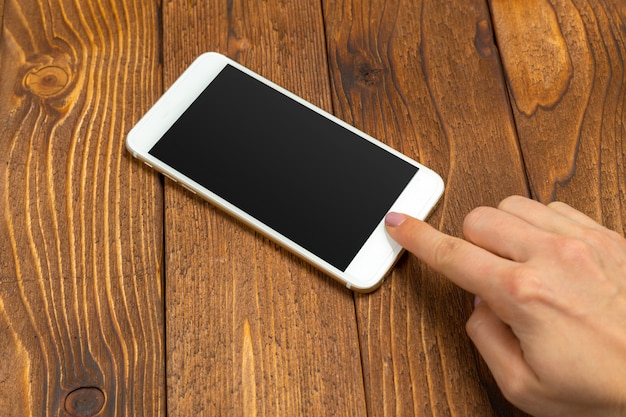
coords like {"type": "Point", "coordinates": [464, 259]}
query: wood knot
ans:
{"type": "Point", "coordinates": [84, 402]}
{"type": "Point", "coordinates": [535, 55]}
{"type": "Point", "coordinates": [47, 81]}
{"type": "Point", "coordinates": [483, 42]}
{"type": "Point", "coordinates": [237, 45]}
{"type": "Point", "coordinates": [367, 74]}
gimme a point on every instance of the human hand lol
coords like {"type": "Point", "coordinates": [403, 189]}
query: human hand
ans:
{"type": "Point", "coordinates": [551, 325]}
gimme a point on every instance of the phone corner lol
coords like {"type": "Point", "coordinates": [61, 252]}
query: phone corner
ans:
{"type": "Point", "coordinates": [129, 144]}
{"type": "Point", "coordinates": [212, 56]}
{"type": "Point", "coordinates": [441, 185]}
{"type": "Point", "coordinates": [366, 289]}
{"type": "Point", "coordinates": [370, 285]}
{"type": "Point", "coordinates": [209, 54]}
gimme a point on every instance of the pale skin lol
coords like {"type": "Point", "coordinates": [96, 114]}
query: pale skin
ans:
{"type": "Point", "coordinates": [550, 319]}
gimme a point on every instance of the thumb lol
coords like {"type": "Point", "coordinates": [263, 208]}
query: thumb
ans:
{"type": "Point", "coordinates": [502, 352]}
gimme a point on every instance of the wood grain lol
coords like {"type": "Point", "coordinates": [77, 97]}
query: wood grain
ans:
{"type": "Point", "coordinates": [252, 330]}
{"type": "Point", "coordinates": [80, 237]}
{"type": "Point", "coordinates": [426, 78]}
{"type": "Point", "coordinates": [121, 296]}
{"type": "Point", "coordinates": [573, 142]}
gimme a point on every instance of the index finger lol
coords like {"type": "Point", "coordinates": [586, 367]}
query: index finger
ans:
{"type": "Point", "coordinates": [467, 265]}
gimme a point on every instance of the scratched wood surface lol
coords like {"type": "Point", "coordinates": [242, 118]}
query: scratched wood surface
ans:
{"type": "Point", "coordinates": [121, 296]}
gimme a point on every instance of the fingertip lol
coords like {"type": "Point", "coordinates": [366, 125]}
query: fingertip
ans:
{"type": "Point", "coordinates": [477, 301]}
{"type": "Point", "coordinates": [393, 219]}
{"type": "Point", "coordinates": [404, 229]}
{"type": "Point", "coordinates": [482, 321]}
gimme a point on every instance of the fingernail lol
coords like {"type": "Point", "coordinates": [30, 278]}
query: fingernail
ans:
{"type": "Point", "coordinates": [477, 300]}
{"type": "Point", "coordinates": [394, 219]}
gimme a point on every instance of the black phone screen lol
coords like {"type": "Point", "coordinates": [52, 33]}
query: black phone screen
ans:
{"type": "Point", "coordinates": [310, 179]}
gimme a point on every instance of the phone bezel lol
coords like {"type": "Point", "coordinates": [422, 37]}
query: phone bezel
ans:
{"type": "Point", "coordinates": [376, 257]}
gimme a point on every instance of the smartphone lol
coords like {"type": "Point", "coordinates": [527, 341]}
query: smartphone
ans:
{"type": "Point", "coordinates": [305, 179]}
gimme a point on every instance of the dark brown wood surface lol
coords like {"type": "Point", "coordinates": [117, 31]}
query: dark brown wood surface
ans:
{"type": "Point", "coordinates": [81, 300]}
{"type": "Point", "coordinates": [121, 294]}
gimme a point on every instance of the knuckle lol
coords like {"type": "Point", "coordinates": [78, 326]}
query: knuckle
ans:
{"type": "Point", "coordinates": [577, 251]}
{"type": "Point", "coordinates": [525, 285]}
{"type": "Point", "coordinates": [606, 241]}
{"type": "Point", "coordinates": [591, 255]}
{"type": "Point", "coordinates": [606, 246]}
{"type": "Point", "coordinates": [446, 250]}
{"type": "Point", "coordinates": [516, 388]}
{"type": "Point", "coordinates": [476, 322]}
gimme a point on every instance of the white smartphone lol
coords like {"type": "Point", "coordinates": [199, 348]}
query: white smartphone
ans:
{"type": "Point", "coordinates": [307, 180]}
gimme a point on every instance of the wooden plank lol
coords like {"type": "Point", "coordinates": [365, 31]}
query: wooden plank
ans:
{"type": "Point", "coordinates": [81, 229]}
{"type": "Point", "coordinates": [425, 77]}
{"type": "Point", "coordinates": [567, 84]}
{"type": "Point", "coordinates": [251, 329]}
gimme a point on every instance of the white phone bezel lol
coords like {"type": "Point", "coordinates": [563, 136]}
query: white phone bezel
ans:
{"type": "Point", "coordinates": [370, 266]}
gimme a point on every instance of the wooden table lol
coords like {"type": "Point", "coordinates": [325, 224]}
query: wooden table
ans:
{"type": "Point", "coordinates": [122, 294]}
